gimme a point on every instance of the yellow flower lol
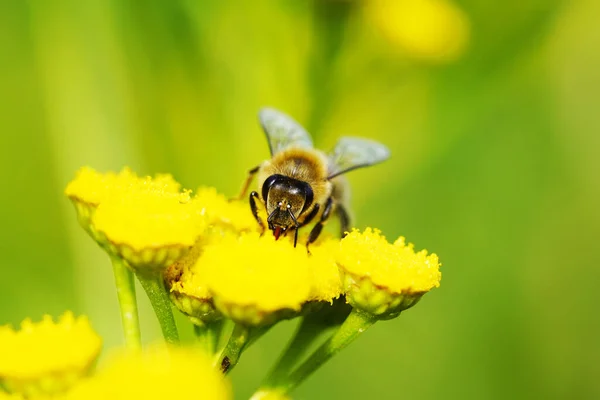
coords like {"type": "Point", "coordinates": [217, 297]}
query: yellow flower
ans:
{"type": "Point", "coordinates": [383, 278]}
{"type": "Point", "coordinates": [47, 357]}
{"type": "Point", "coordinates": [187, 285]}
{"type": "Point", "coordinates": [157, 373]}
{"type": "Point", "coordinates": [149, 228]}
{"type": "Point", "coordinates": [431, 30]}
{"type": "Point", "coordinates": [326, 284]}
{"type": "Point", "coordinates": [89, 189]}
{"type": "Point", "coordinates": [256, 279]}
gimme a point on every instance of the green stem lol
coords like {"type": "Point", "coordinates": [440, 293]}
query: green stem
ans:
{"type": "Point", "coordinates": [357, 322]}
{"type": "Point", "coordinates": [159, 298]}
{"type": "Point", "coordinates": [127, 303]}
{"type": "Point", "coordinates": [208, 335]}
{"type": "Point", "coordinates": [306, 333]}
{"type": "Point", "coordinates": [241, 338]}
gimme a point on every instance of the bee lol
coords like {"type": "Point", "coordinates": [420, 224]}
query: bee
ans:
{"type": "Point", "coordinates": [299, 183]}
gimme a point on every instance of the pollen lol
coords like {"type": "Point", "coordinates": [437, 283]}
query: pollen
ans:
{"type": "Point", "coordinates": [47, 357]}
{"type": "Point", "coordinates": [159, 372]}
{"type": "Point", "coordinates": [395, 267]}
{"type": "Point", "coordinates": [252, 275]}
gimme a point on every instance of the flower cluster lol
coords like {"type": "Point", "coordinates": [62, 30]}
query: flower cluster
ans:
{"type": "Point", "coordinates": [207, 256]}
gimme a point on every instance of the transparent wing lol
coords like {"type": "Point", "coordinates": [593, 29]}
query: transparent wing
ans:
{"type": "Point", "coordinates": [282, 131]}
{"type": "Point", "coordinates": [352, 153]}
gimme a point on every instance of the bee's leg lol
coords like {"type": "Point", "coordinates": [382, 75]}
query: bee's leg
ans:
{"type": "Point", "coordinates": [344, 220]}
{"type": "Point", "coordinates": [253, 198]}
{"type": "Point", "coordinates": [306, 221]}
{"type": "Point", "coordinates": [247, 183]}
{"type": "Point", "coordinates": [316, 230]}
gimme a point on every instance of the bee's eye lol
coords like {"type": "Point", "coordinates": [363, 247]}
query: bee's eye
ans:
{"type": "Point", "coordinates": [308, 196]}
{"type": "Point", "coordinates": [268, 183]}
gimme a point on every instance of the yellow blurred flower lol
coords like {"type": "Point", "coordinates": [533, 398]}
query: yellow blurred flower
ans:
{"type": "Point", "coordinates": [47, 357]}
{"type": "Point", "coordinates": [9, 396]}
{"type": "Point", "coordinates": [383, 278]}
{"type": "Point", "coordinates": [430, 30]}
{"type": "Point", "coordinates": [157, 373]}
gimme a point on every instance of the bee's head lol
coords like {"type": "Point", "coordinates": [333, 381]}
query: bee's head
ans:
{"type": "Point", "coordinates": [286, 199]}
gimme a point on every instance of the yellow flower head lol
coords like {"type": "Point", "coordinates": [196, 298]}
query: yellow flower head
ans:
{"type": "Point", "coordinates": [326, 284]}
{"type": "Point", "coordinates": [430, 30]}
{"type": "Point", "coordinates": [149, 228]}
{"type": "Point", "coordinates": [255, 279]}
{"type": "Point", "coordinates": [187, 284]}
{"type": "Point", "coordinates": [157, 373]}
{"type": "Point", "coordinates": [383, 278]}
{"type": "Point", "coordinates": [47, 357]}
{"type": "Point", "coordinates": [89, 189]}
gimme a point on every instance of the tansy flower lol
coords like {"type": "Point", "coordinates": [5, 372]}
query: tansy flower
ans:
{"type": "Point", "coordinates": [47, 357]}
{"type": "Point", "coordinates": [430, 30]}
{"type": "Point", "coordinates": [90, 188]}
{"type": "Point", "coordinates": [187, 286]}
{"type": "Point", "coordinates": [326, 285]}
{"type": "Point", "coordinates": [382, 278]}
{"type": "Point", "coordinates": [256, 280]}
{"type": "Point", "coordinates": [157, 373]}
{"type": "Point", "coordinates": [149, 229]}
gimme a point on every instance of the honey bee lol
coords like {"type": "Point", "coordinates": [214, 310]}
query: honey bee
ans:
{"type": "Point", "coordinates": [300, 183]}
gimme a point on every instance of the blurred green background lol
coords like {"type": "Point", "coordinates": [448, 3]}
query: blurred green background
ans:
{"type": "Point", "coordinates": [491, 110]}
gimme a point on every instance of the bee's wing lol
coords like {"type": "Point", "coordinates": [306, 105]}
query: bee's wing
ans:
{"type": "Point", "coordinates": [282, 131]}
{"type": "Point", "coordinates": [352, 153]}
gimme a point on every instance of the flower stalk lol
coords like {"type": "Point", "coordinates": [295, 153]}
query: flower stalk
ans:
{"type": "Point", "coordinates": [208, 335]}
{"type": "Point", "coordinates": [125, 284]}
{"type": "Point", "coordinates": [241, 338]}
{"type": "Point", "coordinates": [307, 332]}
{"type": "Point", "coordinates": [357, 322]}
{"type": "Point", "coordinates": [159, 298]}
